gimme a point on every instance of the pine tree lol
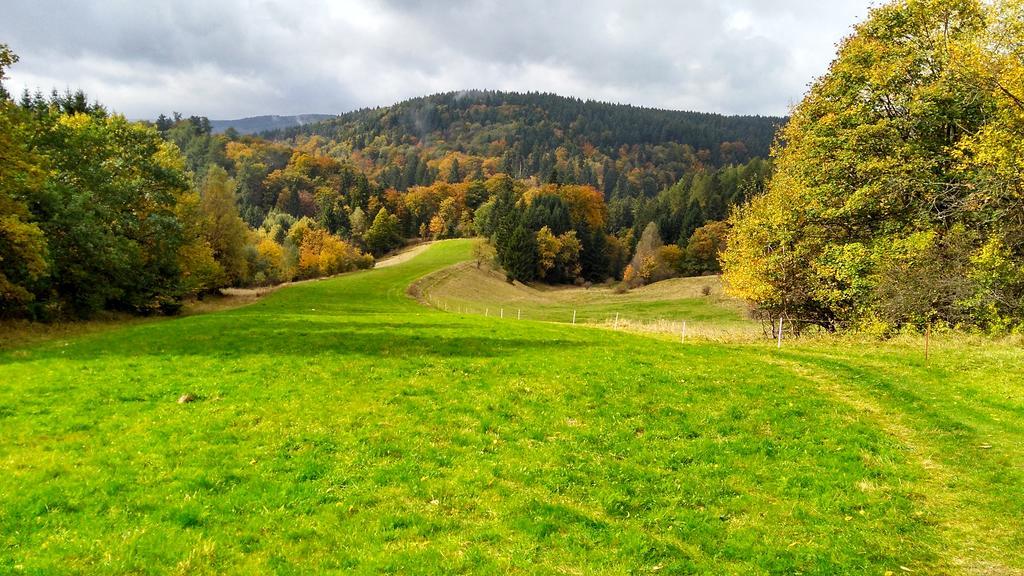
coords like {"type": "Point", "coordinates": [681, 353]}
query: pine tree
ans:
{"type": "Point", "coordinates": [595, 256]}
{"type": "Point", "coordinates": [454, 173]}
{"type": "Point", "coordinates": [692, 220]}
{"type": "Point", "coordinates": [520, 261]}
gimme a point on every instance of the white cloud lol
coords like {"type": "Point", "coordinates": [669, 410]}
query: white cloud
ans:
{"type": "Point", "coordinates": [237, 58]}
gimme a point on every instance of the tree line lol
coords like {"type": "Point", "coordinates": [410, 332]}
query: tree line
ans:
{"type": "Point", "coordinates": [98, 213]}
{"type": "Point", "coordinates": [623, 151]}
{"type": "Point", "coordinates": [101, 213]}
{"type": "Point", "coordinates": [304, 181]}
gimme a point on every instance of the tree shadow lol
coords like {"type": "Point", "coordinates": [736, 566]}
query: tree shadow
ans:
{"type": "Point", "coordinates": [283, 336]}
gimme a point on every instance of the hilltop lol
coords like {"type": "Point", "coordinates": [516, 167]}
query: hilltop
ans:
{"type": "Point", "coordinates": [622, 149]}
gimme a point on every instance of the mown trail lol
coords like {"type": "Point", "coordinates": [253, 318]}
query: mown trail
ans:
{"type": "Point", "coordinates": [342, 427]}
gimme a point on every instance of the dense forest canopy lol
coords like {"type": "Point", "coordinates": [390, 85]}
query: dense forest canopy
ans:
{"type": "Point", "coordinates": [99, 213]}
{"type": "Point", "coordinates": [342, 187]}
{"type": "Point", "coordinates": [621, 150]}
{"type": "Point", "coordinates": [898, 198]}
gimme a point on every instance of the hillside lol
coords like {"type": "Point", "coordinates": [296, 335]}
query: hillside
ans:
{"type": "Point", "coordinates": [624, 150]}
{"type": "Point", "coordinates": [256, 124]}
{"type": "Point", "coordinates": [339, 426]}
{"type": "Point", "coordinates": [658, 307]}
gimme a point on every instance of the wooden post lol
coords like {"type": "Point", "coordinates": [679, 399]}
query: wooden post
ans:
{"type": "Point", "coordinates": [616, 320]}
{"type": "Point", "coordinates": [682, 333]}
{"type": "Point", "coordinates": [574, 317]}
{"type": "Point", "coordinates": [487, 311]}
{"type": "Point", "coordinates": [780, 332]}
{"type": "Point", "coordinates": [502, 312]}
{"type": "Point", "coordinates": [519, 314]}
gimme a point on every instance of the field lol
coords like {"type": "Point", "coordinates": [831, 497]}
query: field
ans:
{"type": "Point", "coordinates": [467, 288]}
{"type": "Point", "coordinates": [341, 426]}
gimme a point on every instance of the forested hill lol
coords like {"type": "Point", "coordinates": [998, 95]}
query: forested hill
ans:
{"type": "Point", "coordinates": [623, 150]}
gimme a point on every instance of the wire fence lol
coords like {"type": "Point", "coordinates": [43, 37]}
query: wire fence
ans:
{"type": "Point", "coordinates": [681, 329]}
{"type": "Point", "coordinates": [755, 330]}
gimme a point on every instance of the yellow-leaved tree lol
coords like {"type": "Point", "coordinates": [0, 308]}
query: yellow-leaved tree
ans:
{"type": "Point", "coordinates": [907, 153]}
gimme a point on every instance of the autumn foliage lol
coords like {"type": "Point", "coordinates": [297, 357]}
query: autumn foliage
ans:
{"type": "Point", "coordinates": [896, 200]}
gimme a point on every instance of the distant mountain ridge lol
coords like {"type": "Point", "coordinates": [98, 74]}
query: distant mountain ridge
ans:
{"type": "Point", "coordinates": [256, 124]}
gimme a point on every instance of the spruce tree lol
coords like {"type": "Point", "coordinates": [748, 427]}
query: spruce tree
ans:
{"type": "Point", "coordinates": [595, 257]}
{"type": "Point", "coordinates": [455, 174]}
{"type": "Point", "coordinates": [520, 261]}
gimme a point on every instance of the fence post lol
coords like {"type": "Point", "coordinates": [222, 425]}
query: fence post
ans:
{"type": "Point", "coordinates": [519, 314]}
{"type": "Point", "coordinates": [502, 312]}
{"type": "Point", "coordinates": [616, 327]}
{"type": "Point", "coordinates": [487, 311]}
{"type": "Point", "coordinates": [682, 333]}
{"type": "Point", "coordinates": [780, 333]}
{"type": "Point", "coordinates": [574, 317]}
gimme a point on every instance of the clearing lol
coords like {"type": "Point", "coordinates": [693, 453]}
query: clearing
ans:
{"type": "Point", "coordinates": [659, 307]}
{"type": "Point", "coordinates": [341, 426]}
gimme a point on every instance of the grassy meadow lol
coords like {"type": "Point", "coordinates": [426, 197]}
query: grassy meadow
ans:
{"type": "Point", "coordinates": [469, 289]}
{"type": "Point", "coordinates": [341, 426]}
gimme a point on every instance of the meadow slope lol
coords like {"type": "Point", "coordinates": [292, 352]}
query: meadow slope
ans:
{"type": "Point", "coordinates": [340, 426]}
{"type": "Point", "coordinates": [467, 288]}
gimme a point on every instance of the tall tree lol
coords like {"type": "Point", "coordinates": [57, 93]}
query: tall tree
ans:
{"type": "Point", "coordinates": [383, 234]}
{"type": "Point", "coordinates": [454, 173]}
{"type": "Point", "coordinates": [520, 258]}
{"type": "Point", "coordinates": [224, 228]}
{"type": "Point", "coordinates": [7, 59]}
{"type": "Point", "coordinates": [883, 164]}
{"type": "Point", "coordinates": [23, 246]}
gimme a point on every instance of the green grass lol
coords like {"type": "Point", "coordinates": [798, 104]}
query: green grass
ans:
{"type": "Point", "coordinates": [342, 427]}
{"type": "Point", "coordinates": [468, 289]}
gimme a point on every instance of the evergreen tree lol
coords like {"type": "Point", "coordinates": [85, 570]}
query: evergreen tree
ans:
{"type": "Point", "coordinates": [715, 208]}
{"type": "Point", "coordinates": [595, 256]}
{"type": "Point", "coordinates": [454, 173]}
{"type": "Point", "coordinates": [520, 258]}
{"type": "Point", "coordinates": [692, 219]}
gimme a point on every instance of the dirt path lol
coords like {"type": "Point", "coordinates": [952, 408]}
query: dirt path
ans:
{"type": "Point", "coordinates": [249, 295]}
{"type": "Point", "coordinates": [403, 256]}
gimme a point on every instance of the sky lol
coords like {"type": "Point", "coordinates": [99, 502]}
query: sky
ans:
{"type": "Point", "coordinates": [229, 59]}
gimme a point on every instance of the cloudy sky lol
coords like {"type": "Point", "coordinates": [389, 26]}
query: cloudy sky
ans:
{"type": "Point", "coordinates": [235, 58]}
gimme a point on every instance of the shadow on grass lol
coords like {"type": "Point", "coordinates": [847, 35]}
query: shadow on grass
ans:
{"type": "Point", "coordinates": [254, 336]}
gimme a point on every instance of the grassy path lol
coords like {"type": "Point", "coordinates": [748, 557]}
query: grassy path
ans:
{"type": "Point", "coordinates": [342, 427]}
